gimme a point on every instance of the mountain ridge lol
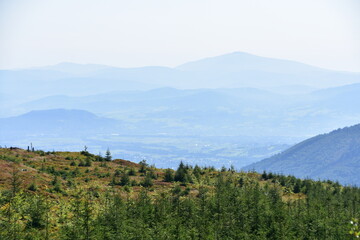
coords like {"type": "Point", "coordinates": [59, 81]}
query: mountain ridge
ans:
{"type": "Point", "coordinates": [237, 54]}
{"type": "Point", "coordinates": [334, 155]}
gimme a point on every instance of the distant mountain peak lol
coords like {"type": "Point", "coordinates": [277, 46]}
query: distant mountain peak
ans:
{"type": "Point", "coordinates": [60, 112]}
{"type": "Point", "coordinates": [243, 61]}
{"type": "Point", "coordinates": [239, 53]}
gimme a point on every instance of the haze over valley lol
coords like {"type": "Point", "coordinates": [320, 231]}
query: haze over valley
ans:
{"type": "Point", "coordinates": [234, 109]}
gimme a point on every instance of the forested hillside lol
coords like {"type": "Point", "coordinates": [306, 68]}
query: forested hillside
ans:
{"type": "Point", "coordinates": [334, 156]}
{"type": "Point", "coordinates": [69, 195]}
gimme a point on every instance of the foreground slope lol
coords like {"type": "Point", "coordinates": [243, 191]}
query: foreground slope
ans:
{"type": "Point", "coordinates": [334, 156]}
{"type": "Point", "coordinates": [71, 195]}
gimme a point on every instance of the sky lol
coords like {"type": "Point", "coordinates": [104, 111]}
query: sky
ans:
{"type": "Point", "coordinates": [134, 33]}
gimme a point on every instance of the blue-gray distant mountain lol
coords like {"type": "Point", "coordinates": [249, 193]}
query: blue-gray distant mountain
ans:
{"type": "Point", "coordinates": [334, 156]}
{"type": "Point", "coordinates": [245, 69]}
{"type": "Point", "coordinates": [240, 61]}
{"type": "Point", "coordinates": [56, 122]}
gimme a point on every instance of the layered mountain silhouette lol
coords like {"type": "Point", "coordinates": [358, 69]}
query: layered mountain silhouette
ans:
{"type": "Point", "coordinates": [334, 156]}
{"type": "Point", "coordinates": [239, 111]}
{"type": "Point", "coordinates": [235, 70]}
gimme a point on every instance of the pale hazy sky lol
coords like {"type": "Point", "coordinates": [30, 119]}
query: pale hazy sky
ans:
{"type": "Point", "coordinates": [133, 33]}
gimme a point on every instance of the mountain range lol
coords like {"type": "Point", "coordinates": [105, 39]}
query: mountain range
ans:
{"type": "Point", "coordinates": [239, 111]}
{"type": "Point", "coordinates": [234, 70]}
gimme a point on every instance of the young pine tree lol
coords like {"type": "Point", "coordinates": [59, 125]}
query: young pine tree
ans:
{"type": "Point", "coordinates": [148, 182]}
{"type": "Point", "coordinates": [169, 175]}
{"type": "Point", "coordinates": [108, 156]}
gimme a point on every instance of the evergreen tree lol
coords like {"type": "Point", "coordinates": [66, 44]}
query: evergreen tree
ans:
{"type": "Point", "coordinates": [15, 180]}
{"type": "Point", "coordinates": [108, 156]}
{"type": "Point", "coordinates": [88, 162]}
{"type": "Point", "coordinates": [169, 175]}
{"type": "Point", "coordinates": [147, 182]}
{"type": "Point", "coordinates": [197, 171]}
{"type": "Point", "coordinates": [264, 175]}
{"type": "Point", "coordinates": [180, 174]}
{"type": "Point", "coordinates": [125, 179]}
{"type": "Point", "coordinates": [37, 212]}
{"type": "Point", "coordinates": [33, 187]}
{"type": "Point", "coordinates": [132, 172]}
{"type": "Point", "coordinates": [297, 187]}
{"type": "Point", "coordinates": [143, 166]}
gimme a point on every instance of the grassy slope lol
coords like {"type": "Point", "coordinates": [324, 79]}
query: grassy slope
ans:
{"type": "Point", "coordinates": [326, 205]}
{"type": "Point", "coordinates": [36, 167]}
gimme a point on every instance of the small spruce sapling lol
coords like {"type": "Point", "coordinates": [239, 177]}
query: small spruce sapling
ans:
{"type": "Point", "coordinates": [108, 156]}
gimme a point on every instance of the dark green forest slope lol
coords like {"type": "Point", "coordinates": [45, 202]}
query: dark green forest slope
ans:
{"type": "Point", "coordinates": [334, 156]}
{"type": "Point", "coordinates": [68, 195]}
